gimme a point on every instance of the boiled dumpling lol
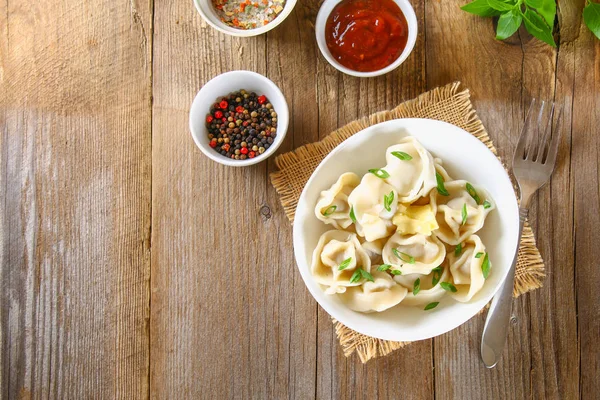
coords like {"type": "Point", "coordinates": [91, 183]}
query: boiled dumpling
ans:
{"type": "Point", "coordinates": [332, 207]}
{"type": "Point", "coordinates": [414, 254]}
{"type": "Point", "coordinates": [439, 168]}
{"type": "Point", "coordinates": [374, 203]}
{"type": "Point", "coordinates": [337, 256]}
{"type": "Point", "coordinates": [462, 212]}
{"type": "Point", "coordinates": [411, 169]}
{"type": "Point", "coordinates": [428, 292]}
{"type": "Point", "coordinates": [412, 218]}
{"type": "Point", "coordinates": [468, 267]}
{"type": "Point", "coordinates": [378, 295]}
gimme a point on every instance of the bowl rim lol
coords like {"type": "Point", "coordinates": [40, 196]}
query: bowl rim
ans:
{"type": "Point", "coordinates": [306, 275]}
{"type": "Point", "coordinates": [411, 20]}
{"type": "Point", "coordinates": [287, 10]}
{"type": "Point", "coordinates": [213, 155]}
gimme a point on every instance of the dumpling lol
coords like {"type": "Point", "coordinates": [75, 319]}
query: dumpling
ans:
{"type": "Point", "coordinates": [374, 203]}
{"type": "Point", "coordinates": [467, 269]}
{"type": "Point", "coordinates": [410, 168]}
{"type": "Point", "coordinates": [337, 256]}
{"type": "Point", "coordinates": [411, 218]}
{"type": "Point", "coordinates": [439, 168]}
{"type": "Point", "coordinates": [414, 254]}
{"type": "Point", "coordinates": [428, 292]}
{"type": "Point", "coordinates": [462, 212]}
{"type": "Point", "coordinates": [378, 295]}
{"type": "Point", "coordinates": [332, 207]}
{"type": "Point", "coordinates": [374, 249]}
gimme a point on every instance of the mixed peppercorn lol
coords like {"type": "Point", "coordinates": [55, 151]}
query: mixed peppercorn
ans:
{"type": "Point", "coordinates": [241, 125]}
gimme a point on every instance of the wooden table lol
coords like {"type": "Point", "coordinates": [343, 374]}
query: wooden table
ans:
{"type": "Point", "coordinates": [133, 266]}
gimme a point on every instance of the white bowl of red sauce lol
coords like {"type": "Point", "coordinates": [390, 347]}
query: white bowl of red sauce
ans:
{"type": "Point", "coordinates": [366, 38]}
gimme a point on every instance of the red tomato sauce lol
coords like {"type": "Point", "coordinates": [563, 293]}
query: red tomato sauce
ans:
{"type": "Point", "coordinates": [366, 35]}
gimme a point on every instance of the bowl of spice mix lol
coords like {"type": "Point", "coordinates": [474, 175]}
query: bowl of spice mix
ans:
{"type": "Point", "coordinates": [244, 17]}
{"type": "Point", "coordinates": [239, 118]}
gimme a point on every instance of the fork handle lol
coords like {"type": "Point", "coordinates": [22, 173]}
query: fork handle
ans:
{"type": "Point", "coordinates": [497, 322]}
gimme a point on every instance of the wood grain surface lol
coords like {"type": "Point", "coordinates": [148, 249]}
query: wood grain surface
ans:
{"type": "Point", "coordinates": [134, 267]}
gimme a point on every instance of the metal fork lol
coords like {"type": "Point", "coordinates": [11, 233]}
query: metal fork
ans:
{"type": "Point", "coordinates": [533, 164]}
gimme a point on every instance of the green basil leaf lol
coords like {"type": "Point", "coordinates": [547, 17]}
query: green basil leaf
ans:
{"type": "Point", "coordinates": [478, 255]}
{"type": "Point", "coordinates": [380, 173]}
{"type": "Point", "coordinates": [345, 264]}
{"type": "Point", "coordinates": [508, 24]}
{"type": "Point", "coordinates": [464, 214]}
{"type": "Point", "coordinates": [366, 275]}
{"type": "Point", "coordinates": [384, 267]}
{"type": "Point", "coordinates": [500, 5]}
{"type": "Point", "coordinates": [330, 210]}
{"type": "Point", "coordinates": [417, 286]}
{"type": "Point", "coordinates": [538, 27]}
{"type": "Point", "coordinates": [431, 305]}
{"type": "Point", "coordinates": [591, 17]}
{"type": "Point", "coordinates": [485, 266]}
{"type": "Point", "coordinates": [440, 185]}
{"type": "Point", "coordinates": [352, 216]}
{"type": "Point", "coordinates": [356, 276]}
{"type": "Point", "coordinates": [481, 8]}
{"type": "Point", "coordinates": [448, 287]}
{"type": "Point", "coordinates": [458, 250]}
{"type": "Point", "coordinates": [535, 3]}
{"type": "Point", "coordinates": [487, 204]}
{"type": "Point", "coordinates": [437, 274]}
{"type": "Point", "coordinates": [387, 201]}
{"type": "Point", "coordinates": [402, 155]}
{"type": "Point", "coordinates": [471, 190]}
{"type": "Point", "coordinates": [547, 10]}
{"type": "Point", "coordinates": [396, 272]}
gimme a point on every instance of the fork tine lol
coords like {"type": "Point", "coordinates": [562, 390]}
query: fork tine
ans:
{"type": "Point", "coordinates": [555, 140]}
{"type": "Point", "coordinates": [521, 150]}
{"type": "Point", "coordinates": [544, 145]}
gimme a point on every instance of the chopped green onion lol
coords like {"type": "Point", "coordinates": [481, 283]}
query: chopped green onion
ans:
{"type": "Point", "coordinates": [478, 255]}
{"type": "Point", "coordinates": [417, 286]}
{"type": "Point", "coordinates": [437, 274]}
{"type": "Point", "coordinates": [464, 214]}
{"type": "Point", "coordinates": [345, 264]}
{"type": "Point", "coordinates": [458, 250]}
{"type": "Point", "coordinates": [356, 276]}
{"type": "Point", "coordinates": [396, 272]}
{"type": "Point", "coordinates": [402, 155]}
{"type": "Point", "coordinates": [380, 173]}
{"type": "Point", "coordinates": [366, 275]}
{"type": "Point", "coordinates": [384, 267]}
{"type": "Point", "coordinates": [487, 204]}
{"type": "Point", "coordinates": [485, 266]}
{"type": "Point", "coordinates": [440, 185]}
{"type": "Point", "coordinates": [407, 258]}
{"type": "Point", "coordinates": [431, 305]}
{"type": "Point", "coordinates": [473, 193]}
{"type": "Point", "coordinates": [448, 287]}
{"type": "Point", "coordinates": [330, 210]}
{"type": "Point", "coordinates": [387, 201]}
{"type": "Point", "coordinates": [352, 216]}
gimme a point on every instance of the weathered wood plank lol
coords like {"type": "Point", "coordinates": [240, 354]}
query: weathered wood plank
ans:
{"type": "Point", "coordinates": [75, 199]}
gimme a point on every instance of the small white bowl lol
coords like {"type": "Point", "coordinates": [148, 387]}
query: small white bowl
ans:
{"type": "Point", "coordinates": [464, 157]}
{"type": "Point", "coordinates": [411, 19]}
{"type": "Point", "coordinates": [206, 9]}
{"type": "Point", "coordinates": [222, 85]}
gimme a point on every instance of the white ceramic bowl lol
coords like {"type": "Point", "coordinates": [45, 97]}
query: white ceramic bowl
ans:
{"type": "Point", "coordinates": [411, 19]}
{"type": "Point", "coordinates": [223, 85]}
{"type": "Point", "coordinates": [206, 9]}
{"type": "Point", "coordinates": [465, 157]}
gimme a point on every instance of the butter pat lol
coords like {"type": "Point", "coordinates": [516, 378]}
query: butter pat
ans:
{"type": "Point", "coordinates": [411, 219]}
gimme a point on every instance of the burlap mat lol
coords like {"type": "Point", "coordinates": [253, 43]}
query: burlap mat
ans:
{"type": "Point", "coordinates": [444, 104]}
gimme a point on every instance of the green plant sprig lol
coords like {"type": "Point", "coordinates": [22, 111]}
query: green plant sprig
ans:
{"type": "Point", "coordinates": [537, 15]}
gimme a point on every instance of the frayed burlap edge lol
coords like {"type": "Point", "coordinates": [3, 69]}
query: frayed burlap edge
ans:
{"type": "Point", "coordinates": [444, 103]}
